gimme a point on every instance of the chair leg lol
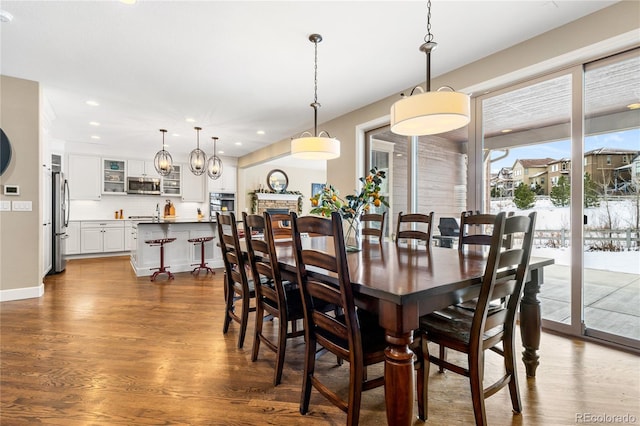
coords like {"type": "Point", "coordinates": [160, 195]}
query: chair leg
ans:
{"type": "Point", "coordinates": [476, 374]}
{"type": "Point", "coordinates": [443, 357]}
{"type": "Point", "coordinates": [282, 347]}
{"type": "Point", "coordinates": [423, 381]}
{"type": "Point", "coordinates": [356, 374]}
{"type": "Point", "coordinates": [229, 293]}
{"type": "Point", "coordinates": [309, 368]}
{"type": "Point", "coordinates": [258, 330]}
{"type": "Point", "coordinates": [511, 369]}
{"type": "Point", "coordinates": [244, 319]}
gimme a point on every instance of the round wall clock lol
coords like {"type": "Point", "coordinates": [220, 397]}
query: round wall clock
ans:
{"type": "Point", "coordinates": [5, 152]}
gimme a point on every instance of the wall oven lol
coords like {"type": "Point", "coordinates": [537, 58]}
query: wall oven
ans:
{"type": "Point", "coordinates": [221, 202]}
{"type": "Point", "coordinates": [143, 185]}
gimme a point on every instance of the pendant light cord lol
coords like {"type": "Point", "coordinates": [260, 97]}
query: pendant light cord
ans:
{"type": "Point", "coordinates": [315, 105]}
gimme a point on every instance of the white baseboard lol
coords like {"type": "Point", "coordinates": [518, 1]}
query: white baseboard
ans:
{"type": "Point", "coordinates": [21, 293]}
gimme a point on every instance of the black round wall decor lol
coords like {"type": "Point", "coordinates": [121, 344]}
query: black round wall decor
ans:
{"type": "Point", "coordinates": [5, 152]}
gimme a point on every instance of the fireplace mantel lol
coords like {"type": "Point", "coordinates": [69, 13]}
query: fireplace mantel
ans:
{"type": "Point", "coordinates": [277, 196]}
{"type": "Point", "coordinates": [262, 201]}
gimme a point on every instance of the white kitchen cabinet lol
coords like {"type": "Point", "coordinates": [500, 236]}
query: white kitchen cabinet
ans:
{"type": "Point", "coordinates": [171, 182]}
{"type": "Point", "coordinates": [85, 177]}
{"type": "Point", "coordinates": [129, 236]}
{"type": "Point", "coordinates": [72, 245]}
{"type": "Point", "coordinates": [101, 237]}
{"type": "Point", "coordinates": [114, 177]}
{"type": "Point", "coordinates": [141, 168]}
{"type": "Point", "coordinates": [227, 182]}
{"type": "Point", "coordinates": [193, 186]}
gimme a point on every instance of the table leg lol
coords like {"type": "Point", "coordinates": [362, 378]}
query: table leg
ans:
{"type": "Point", "coordinates": [398, 376]}
{"type": "Point", "coordinates": [530, 322]}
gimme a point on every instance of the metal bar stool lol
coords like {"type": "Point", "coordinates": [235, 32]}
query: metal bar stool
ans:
{"type": "Point", "coordinates": [202, 264]}
{"type": "Point", "coordinates": [162, 269]}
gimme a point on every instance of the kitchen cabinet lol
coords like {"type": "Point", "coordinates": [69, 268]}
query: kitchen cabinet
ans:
{"type": "Point", "coordinates": [129, 236]}
{"type": "Point", "coordinates": [141, 168]}
{"type": "Point", "coordinates": [113, 177]}
{"type": "Point", "coordinates": [84, 177]}
{"type": "Point", "coordinates": [193, 186]}
{"type": "Point", "coordinates": [101, 237]}
{"type": "Point", "coordinates": [72, 245]}
{"type": "Point", "coordinates": [171, 182]}
{"type": "Point", "coordinates": [227, 182]}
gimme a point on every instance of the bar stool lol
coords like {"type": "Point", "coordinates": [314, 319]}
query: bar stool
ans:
{"type": "Point", "coordinates": [202, 265]}
{"type": "Point", "coordinates": [162, 269]}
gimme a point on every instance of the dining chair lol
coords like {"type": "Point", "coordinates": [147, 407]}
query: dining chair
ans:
{"type": "Point", "coordinates": [239, 288]}
{"type": "Point", "coordinates": [275, 297]}
{"type": "Point", "coordinates": [373, 225]}
{"type": "Point", "coordinates": [354, 336]}
{"type": "Point", "coordinates": [475, 229]}
{"type": "Point", "coordinates": [472, 335]}
{"type": "Point", "coordinates": [406, 222]}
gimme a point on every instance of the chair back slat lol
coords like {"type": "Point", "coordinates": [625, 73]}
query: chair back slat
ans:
{"type": "Point", "coordinates": [373, 224]}
{"type": "Point", "coordinates": [405, 221]}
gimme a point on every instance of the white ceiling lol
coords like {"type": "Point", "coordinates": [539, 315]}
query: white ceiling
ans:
{"type": "Point", "coordinates": [237, 67]}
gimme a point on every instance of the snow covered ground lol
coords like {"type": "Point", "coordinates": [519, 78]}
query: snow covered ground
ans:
{"type": "Point", "coordinates": [549, 217]}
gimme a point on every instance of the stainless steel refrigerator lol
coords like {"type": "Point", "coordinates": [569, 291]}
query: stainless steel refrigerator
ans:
{"type": "Point", "coordinates": [60, 221]}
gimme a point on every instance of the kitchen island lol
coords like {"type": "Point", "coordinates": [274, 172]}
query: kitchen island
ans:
{"type": "Point", "coordinates": [180, 255]}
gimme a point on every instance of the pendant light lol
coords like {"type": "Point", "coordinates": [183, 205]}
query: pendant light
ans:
{"type": "Point", "coordinates": [163, 161]}
{"type": "Point", "coordinates": [319, 146]}
{"type": "Point", "coordinates": [214, 163]}
{"type": "Point", "coordinates": [430, 113]}
{"type": "Point", "coordinates": [197, 157]}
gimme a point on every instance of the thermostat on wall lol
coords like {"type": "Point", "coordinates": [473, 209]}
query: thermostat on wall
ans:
{"type": "Point", "coordinates": [11, 190]}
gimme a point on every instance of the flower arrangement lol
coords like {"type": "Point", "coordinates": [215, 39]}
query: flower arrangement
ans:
{"type": "Point", "coordinates": [328, 200]}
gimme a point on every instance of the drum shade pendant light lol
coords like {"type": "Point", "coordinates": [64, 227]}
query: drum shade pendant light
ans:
{"type": "Point", "coordinates": [319, 146]}
{"type": "Point", "coordinates": [214, 163]}
{"type": "Point", "coordinates": [430, 113]}
{"type": "Point", "coordinates": [197, 157]}
{"type": "Point", "coordinates": [163, 161]}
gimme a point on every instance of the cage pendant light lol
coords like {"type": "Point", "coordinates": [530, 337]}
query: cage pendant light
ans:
{"type": "Point", "coordinates": [316, 146]}
{"type": "Point", "coordinates": [430, 113]}
{"type": "Point", "coordinates": [197, 157]}
{"type": "Point", "coordinates": [214, 163]}
{"type": "Point", "coordinates": [163, 161]}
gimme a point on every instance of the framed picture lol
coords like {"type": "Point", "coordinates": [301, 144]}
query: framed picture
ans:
{"type": "Point", "coordinates": [316, 188]}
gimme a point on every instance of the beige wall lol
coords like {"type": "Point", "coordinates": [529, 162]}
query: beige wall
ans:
{"type": "Point", "coordinates": [604, 32]}
{"type": "Point", "coordinates": [20, 250]}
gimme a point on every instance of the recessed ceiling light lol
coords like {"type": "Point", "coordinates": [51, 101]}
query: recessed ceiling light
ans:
{"type": "Point", "coordinates": [506, 130]}
{"type": "Point", "coordinates": [94, 123]}
{"type": "Point", "coordinates": [175, 134]}
{"type": "Point", "coordinates": [635, 105]}
{"type": "Point", "coordinates": [92, 103]}
{"type": "Point", "coordinates": [238, 143]}
{"type": "Point", "coordinates": [190, 120]}
{"type": "Point", "coordinates": [5, 16]}
{"type": "Point", "coordinates": [260, 132]}
{"type": "Point", "coordinates": [398, 155]}
{"type": "Point", "coordinates": [95, 137]}
{"type": "Point", "coordinates": [220, 152]}
{"type": "Point", "coordinates": [129, 2]}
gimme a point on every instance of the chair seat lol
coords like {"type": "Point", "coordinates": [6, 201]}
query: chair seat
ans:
{"type": "Point", "coordinates": [200, 239]}
{"type": "Point", "coordinates": [160, 241]}
{"type": "Point", "coordinates": [452, 324]}
{"type": "Point", "coordinates": [372, 335]}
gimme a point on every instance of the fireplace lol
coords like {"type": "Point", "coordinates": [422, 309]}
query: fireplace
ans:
{"type": "Point", "coordinates": [275, 203]}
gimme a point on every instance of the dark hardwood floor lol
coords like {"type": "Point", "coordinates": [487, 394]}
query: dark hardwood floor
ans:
{"type": "Point", "coordinates": [103, 347]}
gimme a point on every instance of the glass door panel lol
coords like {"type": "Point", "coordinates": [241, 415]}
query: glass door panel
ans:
{"type": "Point", "coordinates": [612, 199]}
{"type": "Point", "coordinates": [527, 151]}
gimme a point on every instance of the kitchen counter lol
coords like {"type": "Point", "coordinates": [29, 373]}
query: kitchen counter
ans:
{"type": "Point", "coordinates": [180, 255]}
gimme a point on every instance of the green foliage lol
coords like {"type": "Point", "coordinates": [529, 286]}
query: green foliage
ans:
{"type": "Point", "coordinates": [497, 192]}
{"type": "Point", "coordinates": [561, 192]}
{"type": "Point", "coordinates": [328, 200]}
{"type": "Point", "coordinates": [591, 195]}
{"type": "Point", "coordinates": [523, 197]}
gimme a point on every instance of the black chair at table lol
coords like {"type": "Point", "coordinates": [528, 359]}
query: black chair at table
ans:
{"type": "Point", "coordinates": [353, 336]}
{"type": "Point", "coordinates": [456, 329]}
{"type": "Point", "coordinates": [279, 299]}
{"type": "Point", "coordinates": [238, 286]}
{"type": "Point", "coordinates": [417, 219]}
{"type": "Point", "coordinates": [373, 225]}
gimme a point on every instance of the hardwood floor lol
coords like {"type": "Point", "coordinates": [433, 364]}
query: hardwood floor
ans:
{"type": "Point", "coordinates": [103, 347]}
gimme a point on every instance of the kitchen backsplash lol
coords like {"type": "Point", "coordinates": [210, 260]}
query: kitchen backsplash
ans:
{"type": "Point", "coordinates": [132, 205]}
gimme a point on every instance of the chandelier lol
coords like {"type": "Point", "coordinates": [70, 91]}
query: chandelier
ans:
{"type": "Point", "coordinates": [163, 161]}
{"type": "Point", "coordinates": [214, 163]}
{"type": "Point", "coordinates": [197, 157]}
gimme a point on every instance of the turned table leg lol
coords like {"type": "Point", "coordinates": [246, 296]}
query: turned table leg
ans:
{"type": "Point", "coordinates": [531, 321]}
{"type": "Point", "coordinates": [398, 376]}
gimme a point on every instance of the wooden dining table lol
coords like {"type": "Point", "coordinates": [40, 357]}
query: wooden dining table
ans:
{"type": "Point", "coordinates": [403, 282]}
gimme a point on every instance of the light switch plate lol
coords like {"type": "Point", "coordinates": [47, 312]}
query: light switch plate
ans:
{"type": "Point", "coordinates": [5, 206]}
{"type": "Point", "coordinates": [21, 206]}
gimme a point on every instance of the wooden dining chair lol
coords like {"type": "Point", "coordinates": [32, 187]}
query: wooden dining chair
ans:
{"type": "Point", "coordinates": [373, 225]}
{"type": "Point", "coordinates": [354, 336]}
{"type": "Point", "coordinates": [406, 222]}
{"type": "Point", "coordinates": [274, 297]}
{"type": "Point", "coordinates": [239, 288]}
{"type": "Point", "coordinates": [472, 335]}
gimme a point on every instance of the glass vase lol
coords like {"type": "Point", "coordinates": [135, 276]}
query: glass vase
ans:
{"type": "Point", "coordinates": [353, 235]}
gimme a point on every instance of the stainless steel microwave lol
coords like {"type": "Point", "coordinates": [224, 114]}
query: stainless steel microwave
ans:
{"type": "Point", "coordinates": [143, 185]}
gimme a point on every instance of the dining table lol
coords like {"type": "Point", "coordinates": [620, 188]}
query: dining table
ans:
{"type": "Point", "coordinates": [401, 282]}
